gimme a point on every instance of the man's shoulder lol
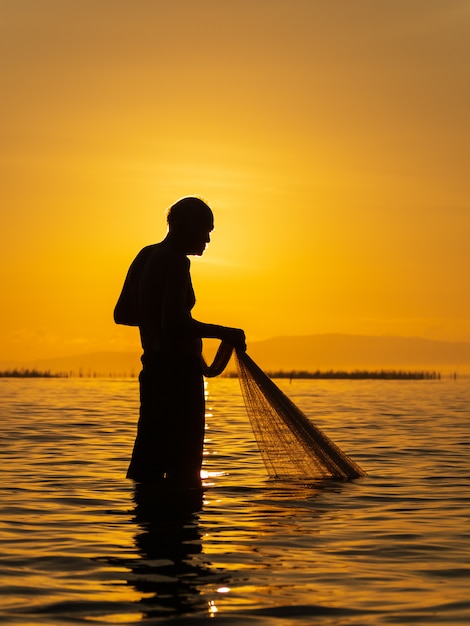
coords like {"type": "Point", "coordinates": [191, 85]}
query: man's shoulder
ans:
{"type": "Point", "coordinates": [160, 254]}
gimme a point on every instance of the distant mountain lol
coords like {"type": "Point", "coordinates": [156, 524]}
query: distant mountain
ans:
{"type": "Point", "coordinates": [310, 352]}
{"type": "Point", "coordinates": [105, 364]}
{"type": "Point", "coordinates": [350, 352]}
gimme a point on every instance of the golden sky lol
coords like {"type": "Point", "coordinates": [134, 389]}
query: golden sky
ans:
{"type": "Point", "coordinates": [330, 138]}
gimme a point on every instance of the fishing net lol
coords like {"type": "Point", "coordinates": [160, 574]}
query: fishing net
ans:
{"type": "Point", "coordinates": [290, 445]}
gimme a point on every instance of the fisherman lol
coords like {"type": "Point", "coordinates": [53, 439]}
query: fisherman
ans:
{"type": "Point", "coordinates": [158, 298]}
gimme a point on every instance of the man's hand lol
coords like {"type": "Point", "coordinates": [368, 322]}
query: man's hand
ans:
{"type": "Point", "coordinates": [235, 337]}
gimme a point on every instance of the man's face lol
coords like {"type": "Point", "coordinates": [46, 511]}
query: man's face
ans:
{"type": "Point", "coordinates": [198, 238]}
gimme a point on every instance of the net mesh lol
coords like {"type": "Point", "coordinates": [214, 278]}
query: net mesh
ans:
{"type": "Point", "coordinates": [291, 446]}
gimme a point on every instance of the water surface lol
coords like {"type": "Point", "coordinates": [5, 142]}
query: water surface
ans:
{"type": "Point", "coordinates": [79, 546]}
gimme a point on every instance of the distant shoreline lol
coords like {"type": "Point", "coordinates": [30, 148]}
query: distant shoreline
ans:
{"type": "Point", "coordinates": [281, 374]}
{"type": "Point", "coordinates": [29, 373]}
{"type": "Point", "coordinates": [353, 375]}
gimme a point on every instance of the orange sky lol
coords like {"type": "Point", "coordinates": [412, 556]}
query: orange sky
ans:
{"type": "Point", "coordinates": [330, 138]}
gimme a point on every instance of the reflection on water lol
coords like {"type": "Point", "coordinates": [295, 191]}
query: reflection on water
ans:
{"type": "Point", "coordinates": [80, 544]}
{"type": "Point", "coordinates": [169, 542]}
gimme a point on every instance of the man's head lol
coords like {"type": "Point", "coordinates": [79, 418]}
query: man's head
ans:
{"type": "Point", "coordinates": [190, 221]}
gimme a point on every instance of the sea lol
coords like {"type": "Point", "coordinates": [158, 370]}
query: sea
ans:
{"type": "Point", "coordinates": [79, 544]}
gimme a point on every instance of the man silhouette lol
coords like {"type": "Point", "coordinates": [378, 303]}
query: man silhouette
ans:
{"type": "Point", "coordinates": [158, 298]}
